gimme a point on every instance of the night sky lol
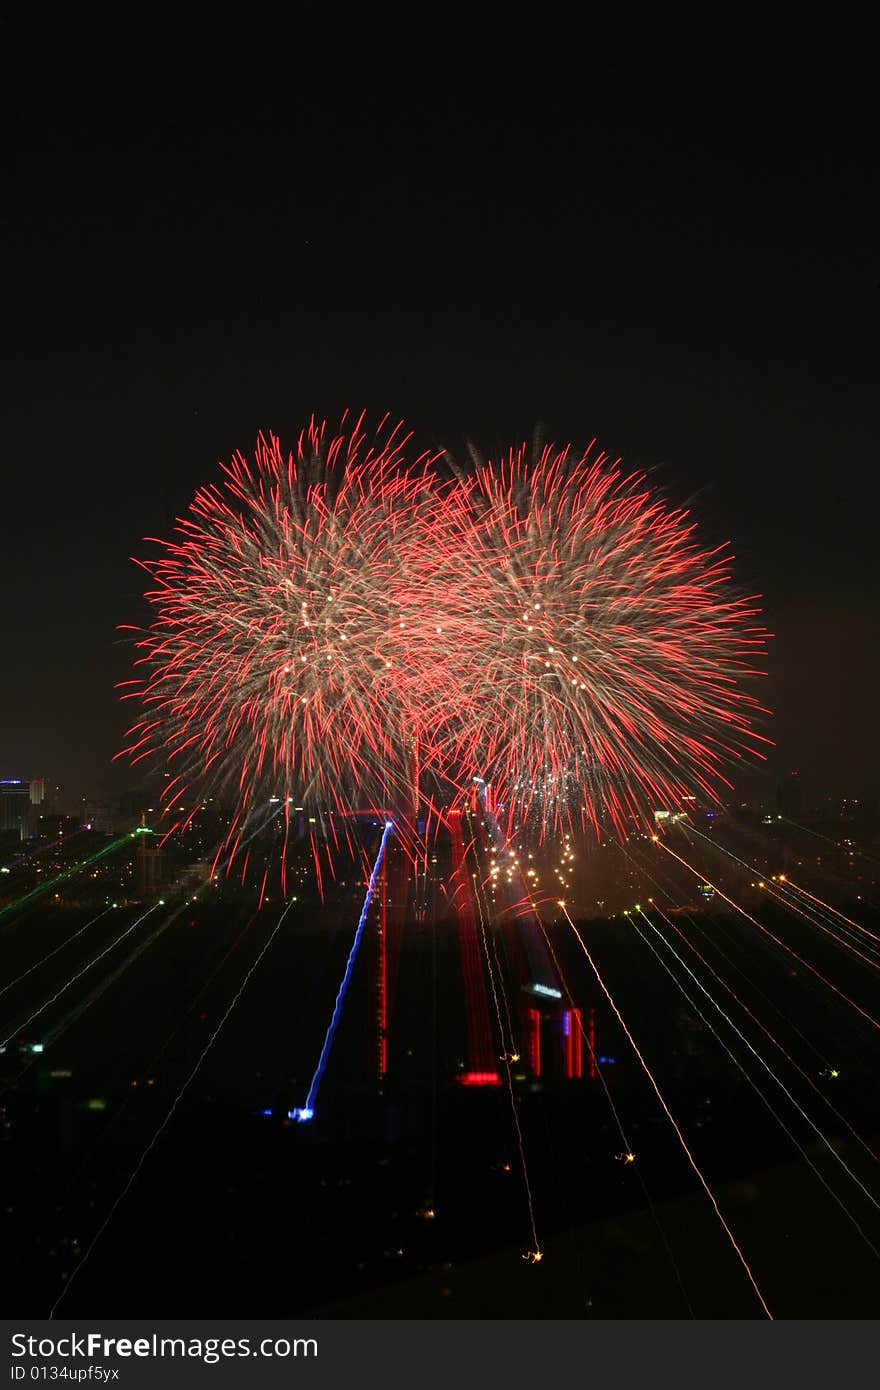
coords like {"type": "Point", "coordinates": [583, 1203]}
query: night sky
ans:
{"type": "Point", "coordinates": [647, 223]}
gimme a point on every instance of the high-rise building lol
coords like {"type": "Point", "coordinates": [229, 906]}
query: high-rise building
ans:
{"type": "Point", "coordinates": [15, 805]}
{"type": "Point", "coordinates": [54, 827]}
{"type": "Point", "coordinates": [789, 797]}
{"type": "Point", "coordinates": [97, 816]}
{"type": "Point", "coordinates": [151, 867]}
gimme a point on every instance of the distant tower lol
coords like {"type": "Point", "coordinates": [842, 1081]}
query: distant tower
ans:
{"type": "Point", "coordinates": [789, 796]}
{"type": "Point", "coordinates": [150, 862]}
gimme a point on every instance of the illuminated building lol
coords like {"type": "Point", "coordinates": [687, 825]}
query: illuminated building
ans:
{"type": "Point", "coordinates": [96, 816]}
{"type": "Point", "coordinates": [571, 1044]}
{"type": "Point", "coordinates": [15, 805]}
{"type": "Point", "coordinates": [150, 864]}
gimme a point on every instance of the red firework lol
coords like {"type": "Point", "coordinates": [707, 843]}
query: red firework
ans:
{"type": "Point", "coordinates": [286, 649]}
{"type": "Point", "coordinates": [603, 668]}
{"type": "Point", "coordinates": [342, 622]}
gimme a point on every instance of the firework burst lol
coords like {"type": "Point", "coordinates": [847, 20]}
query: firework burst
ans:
{"type": "Point", "coordinates": [284, 649]}
{"type": "Point", "coordinates": [605, 653]}
{"type": "Point", "coordinates": [343, 622]}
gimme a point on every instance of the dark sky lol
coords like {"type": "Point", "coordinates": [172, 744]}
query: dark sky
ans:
{"type": "Point", "coordinates": [649, 223]}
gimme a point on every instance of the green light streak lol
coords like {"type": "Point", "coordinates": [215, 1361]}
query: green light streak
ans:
{"type": "Point", "coordinates": [42, 888]}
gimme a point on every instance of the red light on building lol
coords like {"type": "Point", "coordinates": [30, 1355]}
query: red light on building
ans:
{"type": "Point", "coordinates": [480, 1050]}
{"type": "Point", "coordinates": [571, 1030]}
{"type": "Point", "coordinates": [479, 1078]}
{"type": "Point", "coordinates": [533, 1040]}
{"type": "Point", "coordinates": [382, 979]}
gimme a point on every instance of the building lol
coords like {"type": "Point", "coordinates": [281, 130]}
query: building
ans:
{"type": "Point", "coordinates": [15, 806]}
{"type": "Point", "coordinates": [151, 869]}
{"type": "Point", "coordinates": [54, 827]}
{"type": "Point", "coordinates": [789, 797]}
{"type": "Point", "coordinates": [96, 815]}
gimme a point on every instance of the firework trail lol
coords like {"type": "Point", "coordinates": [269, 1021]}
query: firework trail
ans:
{"type": "Point", "coordinates": [750, 1079]}
{"type": "Point", "coordinates": [668, 1113]}
{"type": "Point", "coordinates": [170, 1112]}
{"type": "Point", "coordinates": [50, 954]}
{"type": "Point", "coordinates": [78, 975]}
{"type": "Point", "coordinates": [869, 1018]}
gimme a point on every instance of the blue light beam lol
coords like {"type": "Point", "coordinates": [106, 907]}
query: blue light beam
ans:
{"type": "Point", "coordinates": [307, 1111]}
